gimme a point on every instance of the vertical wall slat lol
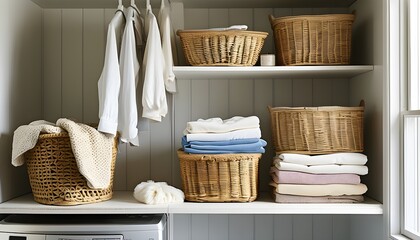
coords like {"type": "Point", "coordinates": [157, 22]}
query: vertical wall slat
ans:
{"type": "Point", "coordinates": [264, 227]}
{"type": "Point", "coordinates": [322, 227]}
{"type": "Point", "coordinates": [219, 97]}
{"type": "Point", "coordinates": [197, 18]}
{"type": "Point", "coordinates": [263, 92]}
{"type": "Point", "coordinates": [218, 17]}
{"type": "Point", "coordinates": [322, 90]}
{"type": "Point", "coordinates": [340, 92]}
{"type": "Point", "coordinates": [241, 227]}
{"type": "Point", "coordinates": [138, 161]}
{"type": "Point", "coordinates": [241, 16]}
{"type": "Point", "coordinates": [241, 97]}
{"type": "Point", "coordinates": [72, 64]}
{"type": "Point", "coordinates": [199, 99]}
{"type": "Point", "coordinates": [200, 226]}
{"type": "Point", "coordinates": [341, 229]}
{"type": "Point", "coordinates": [302, 227]}
{"type": "Point", "coordinates": [302, 92]}
{"type": "Point", "coordinates": [283, 94]}
{"type": "Point", "coordinates": [261, 23]}
{"type": "Point", "coordinates": [182, 227]}
{"type": "Point", "coordinates": [218, 227]}
{"type": "Point", "coordinates": [93, 58]}
{"type": "Point", "coordinates": [283, 226]}
{"type": "Point", "coordinates": [52, 64]}
{"type": "Point", "coordinates": [182, 114]}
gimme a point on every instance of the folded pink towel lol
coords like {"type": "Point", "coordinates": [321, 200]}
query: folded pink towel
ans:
{"type": "Point", "coordinates": [292, 177]}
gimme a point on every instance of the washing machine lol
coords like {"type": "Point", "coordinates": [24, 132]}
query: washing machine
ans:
{"type": "Point", "coordinates": [84, 227]}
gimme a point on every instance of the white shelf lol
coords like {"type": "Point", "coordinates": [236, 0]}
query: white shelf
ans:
{"type": "Point", "coordinates": [123, 203]}
{"type": "Point", "coordinates": [275, 72]}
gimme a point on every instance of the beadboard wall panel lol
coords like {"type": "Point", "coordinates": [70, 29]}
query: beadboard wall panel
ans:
{"type": "Point", "coordinates": [267, 227]}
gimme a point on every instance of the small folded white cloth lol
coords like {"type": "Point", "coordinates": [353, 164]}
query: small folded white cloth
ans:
{"type": "Point", "coordinates": [151, 192]}
{"type": "Point", "coordinates": [217, 125]}
{"type": "Point", "coordinates": [321, 169]}
{"type": "Point", "coordinates": [238, 134]}
{"type": "Point", "coordinates": [233, 27]}
{"type": "Point", "coordinates": [324, 159]}
{"type": "Point", "coordinates": [320, 190]}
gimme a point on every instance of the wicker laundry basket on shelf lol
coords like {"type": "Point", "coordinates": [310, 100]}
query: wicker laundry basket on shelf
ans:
{"type": "Point", "coordinates": [317, 130]}
{"type": "Point", "coordinates": [313, 39]}
{"type": "Point", "coordinates": [222, 48]}
{"type": "Point", "coordinates": [54, 176]}
{"type": "Point", "coordinates": [219, 177]}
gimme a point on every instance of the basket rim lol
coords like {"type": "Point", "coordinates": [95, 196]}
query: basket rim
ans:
{"type": "Point", "coordinates": [323, 108]}
{"type": "Point", "coordinates": [204, 157]}
{"type": "Point", "coordinates": [343, 16]}
{"type": "Point", "coordinates": [218, 32]}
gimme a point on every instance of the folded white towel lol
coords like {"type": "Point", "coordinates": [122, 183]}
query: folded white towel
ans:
{"type": "Point", "coordinates": [217, 125]}
{"type": "Point", "coordinates": [320, 190]}
{"type": "Point", "coordinates": [320, 169]}
{"type": "Point", "coordinates": [151, 192]}
{"type": "Point", "coordinates": [233, 27]}
{"type": "Point", "coordinates": [238, 134]}
{"type": "Point", "coordinates": [324, 159]}
{"type": "Point", "coordinates": [25, 138]}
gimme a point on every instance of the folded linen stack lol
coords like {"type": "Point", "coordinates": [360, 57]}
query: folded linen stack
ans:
{"type": "Point", "coordinates": [329, 178]}
{"type": "Point", "coordinates": [217, 136]}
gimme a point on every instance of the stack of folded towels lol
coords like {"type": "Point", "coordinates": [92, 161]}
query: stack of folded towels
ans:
{"type": "Point", "coordinates": [217, 136]}
{"type": "Point", "coordinates": [329, 178]}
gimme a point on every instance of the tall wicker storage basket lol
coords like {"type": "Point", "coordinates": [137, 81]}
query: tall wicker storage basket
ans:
{"type": "Point", "coordinates": [313, 39]}
{"type": "Point", "coordinates": [54, 175]}
{"type": "Point", "coordinates": [219, 177]}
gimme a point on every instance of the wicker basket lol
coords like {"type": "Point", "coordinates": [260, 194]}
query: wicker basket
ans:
{"type": "Point", "coordinates": [317, 130]}
{"type": "Point", "coordinates": [313, 39]}
{"type": "Point", "coordinates": [222, 48]}
{"type": "Point", "coordinates": [219, 177]}
{"type": "Point", "coordinates": [54, 176]}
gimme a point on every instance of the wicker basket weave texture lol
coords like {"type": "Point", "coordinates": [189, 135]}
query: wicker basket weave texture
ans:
{"type": "Point", "coordinates": [321, 130]}
{"type": "Point", "coordinates": [54, 176]}
{"type": "Point", "coordinates": [219, 177]}
{"type": "Point", "coordinates": [222, 48]}
{"type": "Point", "coordinates": [313, 39]}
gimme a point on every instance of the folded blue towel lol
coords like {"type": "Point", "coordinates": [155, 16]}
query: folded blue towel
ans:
{"type": "Point", "coordinates": [197, 151]}
{"type": "Point", "coordinates": [250, 145]}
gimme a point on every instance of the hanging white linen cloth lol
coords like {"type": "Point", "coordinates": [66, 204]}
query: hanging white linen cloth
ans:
{"type": "Point", "coordinates": [130, 69]}
{"type": "Point", "coordinates": [109, 81]}
{"type": "Point", "coordinates": [168, 46]}
{"type": "Point", "coordinates": [154, 95]}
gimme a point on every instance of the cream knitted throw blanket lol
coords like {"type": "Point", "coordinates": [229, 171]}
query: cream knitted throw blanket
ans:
{"type": "Point", "coordinates": [92, 150]}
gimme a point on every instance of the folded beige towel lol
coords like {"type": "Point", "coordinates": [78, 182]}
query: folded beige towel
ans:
{"type": "Point", "coordinates": [320, 190]}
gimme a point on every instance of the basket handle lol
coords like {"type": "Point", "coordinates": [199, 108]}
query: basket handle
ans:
{"type": "Point", "coordinates": [271, 19]}
{"type": "Point", "coordinates": [362, 103]}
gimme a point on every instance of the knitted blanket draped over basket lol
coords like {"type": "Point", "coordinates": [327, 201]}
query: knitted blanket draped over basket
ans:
{"type": "Point", "coordinates": [92, 150]}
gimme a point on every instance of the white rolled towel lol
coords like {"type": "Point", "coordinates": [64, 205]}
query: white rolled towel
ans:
{"type": "Point", "coordinates": [151, 192]}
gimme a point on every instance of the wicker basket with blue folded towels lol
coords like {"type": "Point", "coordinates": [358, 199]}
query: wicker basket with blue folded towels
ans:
{"type": "Point", "coordinates": [219, 159]}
